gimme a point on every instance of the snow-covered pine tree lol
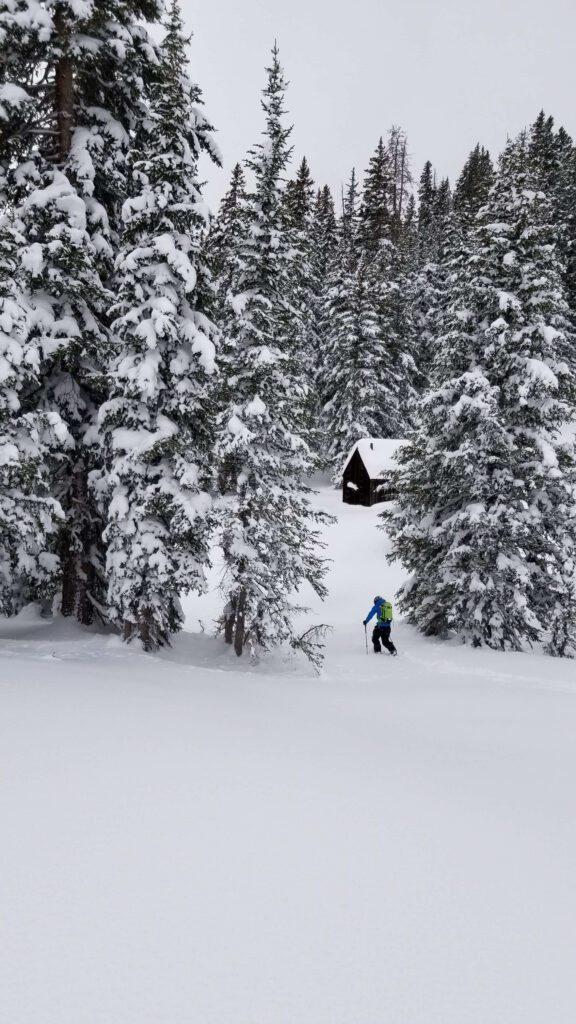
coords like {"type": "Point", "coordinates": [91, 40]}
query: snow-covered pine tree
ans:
{"type": "Point", "coordinates": [226, 230]}
{"type": "Point", "coordinates": [375, 212]}
{"type": "Point", "coordinates": [157, 424]}
{"type": "Point", "coordinates": [298, 207]}
{"type": "Point", "coordinates": [74, 78]}
{"type": "Point", "coordinates": [430, 267]}
{"type": "Point", "coordinates": [410, 219]}
{"type": "Point", "coordinates": [349, 226]}
{"type": "Point", "coordinates": [356, 390]}
{"type": "Point", "coordinates": [28, 515]}
{"type": "Point", "coordinates": [269, 527]}
{"type": "Point", "coordinates": [554, 159]}
{"type": "Point", "coordinates": [566, 213]}
{"type": "Point", "coordinates": [324, 248]}
{"type": "Point", "coordinates": [566, 204]}
{"type": "Point", "coordinates": [223, 258]}
{"type": "Point", "coordinates": [473, 185]}
{"type": "Point", "coordinates": [298, 198]}
{"type": "Point", "coordinates": [421, 260]}
{"type": "Point", "coordinates": [337, 317]}
{"type": "Point", "coordinates": [68, 303]}
{"type": "Point", "coordinates": [486, 521]}
{"type": "Point", "coordinates": [443, 204]}
{"type": "Point", "coordinates": [324, 232]}
{"type": "Point", "coordinates": [386, 281]}
{"type": "Point", "coordinates": [427, 192]}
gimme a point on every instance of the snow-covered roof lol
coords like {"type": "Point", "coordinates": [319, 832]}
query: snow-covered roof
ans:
{"type": "Point", "coordinates": [377, 454]}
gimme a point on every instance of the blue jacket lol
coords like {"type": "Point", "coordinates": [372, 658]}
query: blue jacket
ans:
{"type": "Point", "coordinates": [375, 612]}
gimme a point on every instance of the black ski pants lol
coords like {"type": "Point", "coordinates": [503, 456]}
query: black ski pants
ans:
{"type": "Point", "coordinates": [381, 635]}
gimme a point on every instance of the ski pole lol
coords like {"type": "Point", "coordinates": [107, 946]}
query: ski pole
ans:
{"type": "Point", "coordinates": [366, 636]}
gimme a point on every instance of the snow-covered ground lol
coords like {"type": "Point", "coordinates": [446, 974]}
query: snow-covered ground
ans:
{"type": "Point", "coordinates": [191, 839]}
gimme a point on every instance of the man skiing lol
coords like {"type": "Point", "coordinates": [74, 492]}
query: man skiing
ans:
{"type": "Point", "coordinates": [383, 611]}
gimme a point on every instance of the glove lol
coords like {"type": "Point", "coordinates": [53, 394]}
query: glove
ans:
{"type": "Point", "coordinates": [364, 623]}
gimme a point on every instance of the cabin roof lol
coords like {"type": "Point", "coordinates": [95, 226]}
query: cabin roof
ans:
{"type": "Point", "coordinates": [377, 454]}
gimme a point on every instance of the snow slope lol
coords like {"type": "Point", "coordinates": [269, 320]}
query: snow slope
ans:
{"type": "Point", "coordinates": [189, 839]}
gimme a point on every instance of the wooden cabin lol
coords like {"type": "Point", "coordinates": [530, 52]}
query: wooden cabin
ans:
{"type": "Point", "coordinates": [368, 475]}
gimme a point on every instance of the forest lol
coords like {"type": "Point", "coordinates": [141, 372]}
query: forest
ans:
{"type": "Point", "coordinates": [171, 380]}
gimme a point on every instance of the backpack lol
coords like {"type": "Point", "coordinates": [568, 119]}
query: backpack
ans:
{"type": "Point", "coordinates": [385, 613]}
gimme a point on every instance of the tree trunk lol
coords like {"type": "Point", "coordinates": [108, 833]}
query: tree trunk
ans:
{"type": "Point", "coordinates": [78, 571]}
{"type": "Point", "coordinates": [229, 620]}
{"type": "Point", "coordinates": [63, 89]}
{"type": "Point", "coordinates": [240, 624]}
{"type": "Point", "coordinates": [144, 630]}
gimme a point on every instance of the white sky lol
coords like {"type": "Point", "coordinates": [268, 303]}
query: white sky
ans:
{"type": "Point", "coordinates": [450, 72]}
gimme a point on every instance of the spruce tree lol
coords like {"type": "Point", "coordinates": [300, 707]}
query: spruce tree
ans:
{"type": "Point", "coordinates": [554, 160]}
{"type": "Point", "coordinates": [427, 193]}
{"type": "Point", "coordinates": [68, 304]}
{"type": "Point", "coordinates": [353, 381]}
{"type": "Point", "coordinates": [298, 199]}
{"type": "Point", "coordinates": [429, 277]}
{"type": "Point", "coordinates": [375, 211]}
{"type": "Point", "coordinates": [76, 77]}
{"type": "Point", "coordinates": [386, 279]}
{"type": "Point", "coordinates": [223, 258]}
{"type": "Point", "coordinates": [222, 241]}
{"type": "Point", "coordinates": [28, 515]}
{"type": "Point", "coordinates": [324, 229]}
{"type": "Point", "coordinates": [565, 201]}
{"type": "Point", "coordinates": [157, 423]}
{"type": "Point", "coordinates": [298, 211]}
{"type": "Point", "coordinates": [269, 528]}
{"type": "Point", "coordinates": [323, 253]}
{"type": "Point", "coordinates": [359, 403]}
{"type": "Point", "coordinates": [486, 522]}
{"type": "Point", "coordinates": [473, 185]}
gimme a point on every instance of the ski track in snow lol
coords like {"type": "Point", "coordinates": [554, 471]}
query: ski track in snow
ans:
{"type": "Point", "coordinates": [195, 839]}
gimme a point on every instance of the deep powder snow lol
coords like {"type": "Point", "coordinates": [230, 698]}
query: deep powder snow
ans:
{"type": "Point", "coordinates": [192, 839]}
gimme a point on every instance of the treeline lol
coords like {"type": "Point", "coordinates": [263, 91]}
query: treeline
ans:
{"type": "Point", "coordinates": [168, 381]}
{"type": "Point", "coordinates": [447, 316]}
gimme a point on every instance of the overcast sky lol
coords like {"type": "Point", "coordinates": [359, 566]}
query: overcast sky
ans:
{"type": "Point", "coordinates": [450, 72]}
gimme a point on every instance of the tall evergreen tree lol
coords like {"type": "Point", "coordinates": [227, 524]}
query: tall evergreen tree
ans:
{"type": "Point", "coordinates": [224, 235]}
{"type": "Point", "coordinates": [269, 528]}
{"type": "Point", "coordinates": [28, 515]}
{"type": "Point", "coordinates": [427, 193]}
{"type": "Point", "coordinates": [429, 276]}
{"type": "Point", "coordinates": [223, 253]}
{"type": "Point", "coordinates": [375, 212]}
{"type": "Point", "coordinates": [298, 210]}
{"type": "Point", "coordinates": [157, 423]}
{"type": "Point", "coordinates": [350, 220]}
{"type": "Point", "coordinates": [566, 207]}
{"type": "Point", "coordinates": [473, 185]}
{"type": "Point", "coordinates": [76, 77]}
{"type": "Point", "coordinates": [323, 253]}
{"type": "Point", "coordinates": [486, 523]}
{"type": "Point", "coordinates": [354, 390]}
{"type": "Point", "coordinates": [387, 284]}
{"type": "Point", "coordinates": [325, 227]}
{"type": "Point", "coordinates": [298, 199]}
{"type": "Point", "coordinates": [554, 159]}
{"type": "Point", "coordinates": [324, 233]}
